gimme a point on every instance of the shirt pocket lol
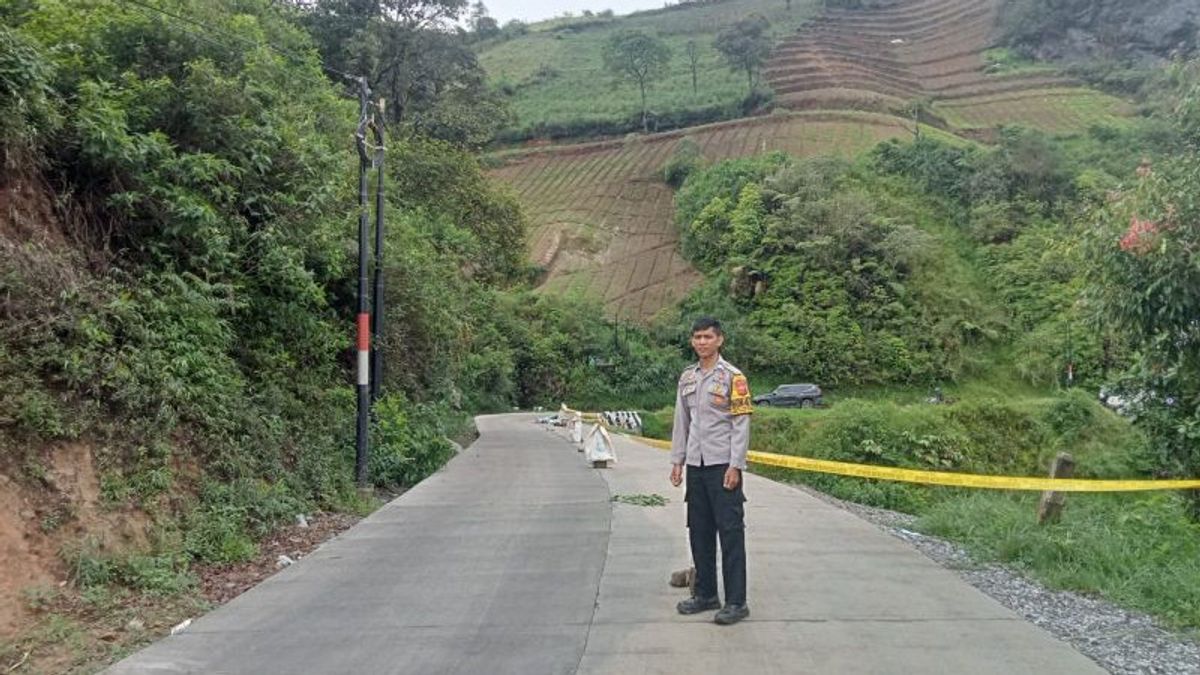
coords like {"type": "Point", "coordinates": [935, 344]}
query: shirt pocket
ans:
{"type": "Point", "coordinates": [688, 392]}
{"type": "Point", "coordinates": [718, 396]}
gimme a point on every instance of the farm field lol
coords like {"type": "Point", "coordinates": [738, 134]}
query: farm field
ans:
{"type": "Point", "coordinates": [556, 75]}
{"type": "Point", "coordinates": [1051, 110]}
{"type": "Point", "coordinates": [602, 217]}
{"type": "Point", "coordinates": [929, 51]}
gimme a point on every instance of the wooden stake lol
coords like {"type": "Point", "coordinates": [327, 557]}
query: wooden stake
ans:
{"type": "Point", "coordinates": [1051, 504]}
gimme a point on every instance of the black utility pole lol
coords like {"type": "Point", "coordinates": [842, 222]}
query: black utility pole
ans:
{"type": "Point", "coordinates": [363, 323]}
{"type": "Point", "coordinates": [377, 292]}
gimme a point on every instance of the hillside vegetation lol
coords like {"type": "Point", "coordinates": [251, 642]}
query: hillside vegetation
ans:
{"type": "Point", "coordinates": [177, 267]}
{"type": "Point", "coordinates": [599, 213]}
{"type": "Point", "coordinates": [952, 297]}
{"type": "Point", "coordinates": [554, 75]}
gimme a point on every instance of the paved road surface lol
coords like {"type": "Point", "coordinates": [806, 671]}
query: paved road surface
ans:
{"type": "Point", "coordinates": [513, 560]}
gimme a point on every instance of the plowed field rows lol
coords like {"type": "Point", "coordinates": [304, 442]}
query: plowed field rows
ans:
{"type": "Point", "coordinates": [1053, 110]}
{"type": "Point", "coordinates": [602, 217]}
{"type": "Point", "coordinates": [886, 57]}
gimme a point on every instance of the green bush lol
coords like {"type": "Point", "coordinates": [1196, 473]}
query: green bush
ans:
{"type": "Point", "coordinates": [685, 159]}
{"type": "Point", "coordinates": [27, 102]}
{"type": "Point", "coordinates": [161, 574]}
{"type": "Point", "coordinates": [217, 534]}
{"type": "Point", "coordinates": [838, 256]}
{"type": "Point", "coordinates": [232, 515]}
{"type": "Point", "coordinates": [658, 423]}
{"type": "Point", "coordinates": [408, 443]}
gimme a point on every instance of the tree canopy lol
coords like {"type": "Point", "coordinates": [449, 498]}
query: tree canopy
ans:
{"type": "Point", "coordinates": [638, 57]}
{"type": "Point", "coordinates": [746, 45]}
{"type": "Point", "coordinates": [1147, 248]}
{"type": "Point", "coordinates": [415, 58]}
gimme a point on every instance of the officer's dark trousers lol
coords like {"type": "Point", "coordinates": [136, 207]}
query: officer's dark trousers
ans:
{"type": "Point", "coordinates": [711, 511]}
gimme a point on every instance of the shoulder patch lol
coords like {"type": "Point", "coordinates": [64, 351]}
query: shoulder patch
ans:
{"type": "Point", "coordinates": [739, 399]}
{"type": "Point", "coordinates": [740, 386]}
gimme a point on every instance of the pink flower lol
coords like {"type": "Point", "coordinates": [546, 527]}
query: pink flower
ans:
{"type": "Point", "coordinates": [1141, 238]}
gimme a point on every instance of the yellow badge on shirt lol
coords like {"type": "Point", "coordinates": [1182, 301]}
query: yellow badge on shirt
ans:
{"type": "Point", "coordinates": [740, 396]}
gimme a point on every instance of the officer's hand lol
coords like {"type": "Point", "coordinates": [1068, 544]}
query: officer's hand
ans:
{"type": "Point", "coordinates": [676, 475]}
{"type": "Point", "coordinates": [732, 478]}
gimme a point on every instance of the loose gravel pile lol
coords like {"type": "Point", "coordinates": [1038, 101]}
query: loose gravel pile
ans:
{"type": "Point", "coordinates": [1119, 640]}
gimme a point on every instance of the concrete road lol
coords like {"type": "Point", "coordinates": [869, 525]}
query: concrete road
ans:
{"type": "Point", "coordinates": [513, 560]}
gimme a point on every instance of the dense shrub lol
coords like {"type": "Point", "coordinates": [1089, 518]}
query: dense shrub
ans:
{"type": "Point", "coordinates": [408, 442]}
{"type": "Point", "coordinates": [685, 159]}
{"type": "Point", "coordinates": [1144, 285]}
{"type": "Point", "coordinates": [659, 120]}
{"type": "Point", "coordinates": [834, 299]}
{"type": "Point", "coordinates": [27, 106]}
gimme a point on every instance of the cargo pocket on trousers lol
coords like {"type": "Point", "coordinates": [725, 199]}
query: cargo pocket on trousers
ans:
{"type": "Point", "coordinates": [732, 514]}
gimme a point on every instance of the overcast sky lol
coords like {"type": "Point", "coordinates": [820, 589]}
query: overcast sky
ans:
{"type": "Point", "coordinates": [533, 10]}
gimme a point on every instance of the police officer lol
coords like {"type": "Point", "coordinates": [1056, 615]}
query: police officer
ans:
{"type": "Point", "coordinates": [711, 436]}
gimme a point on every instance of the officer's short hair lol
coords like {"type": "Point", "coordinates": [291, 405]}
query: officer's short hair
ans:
{"type": "Point", "coordinates": [706, 322]}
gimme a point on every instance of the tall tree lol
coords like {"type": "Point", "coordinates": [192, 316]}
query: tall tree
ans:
{"type": "Point", "coordinates": [1144, 282]}
{"type": "Point", "coordinates": [746, 45]}
{"type": "Point", "coordinates": [482, 24]}
{"type": "Point", "coordinates": [414, 57]}
{"type": "Point", "coordinates": [636, 56]}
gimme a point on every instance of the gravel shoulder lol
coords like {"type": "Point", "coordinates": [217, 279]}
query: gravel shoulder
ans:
{"type": "Point", "coordinates": [1119, 640]}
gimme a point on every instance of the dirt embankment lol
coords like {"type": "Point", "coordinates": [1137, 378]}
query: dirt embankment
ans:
{"type": "Point", "coordinates": [52, 503]}
{"type": "Point", "coordinates": [49, 504]}
{"type": "Point", "coordinates": [49, 494]}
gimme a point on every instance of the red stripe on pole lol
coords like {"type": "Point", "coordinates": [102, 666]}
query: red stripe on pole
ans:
{"type": "Point", "coordinates": [364, 332]}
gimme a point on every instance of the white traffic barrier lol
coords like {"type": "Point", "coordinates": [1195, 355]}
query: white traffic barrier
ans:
{"type": "Point", "coordinates": [598, 448]}
{"type": "Point", "coordinates": [623, 419]}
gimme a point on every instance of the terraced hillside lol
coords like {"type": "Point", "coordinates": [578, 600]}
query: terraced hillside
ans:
{"type": "Point", "coordinates": [602, 215]}
{"type": "Point", "coordinates": [926, 50]}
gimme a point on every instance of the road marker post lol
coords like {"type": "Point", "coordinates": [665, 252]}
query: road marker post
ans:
{"type": "Point", "coordinates": [1051, 504]}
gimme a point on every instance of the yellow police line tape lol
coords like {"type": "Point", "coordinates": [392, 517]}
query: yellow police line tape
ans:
{"type": "Point", "coordinates": [944, 477]}
{"type": "Point", "coordinates": [585, 416]}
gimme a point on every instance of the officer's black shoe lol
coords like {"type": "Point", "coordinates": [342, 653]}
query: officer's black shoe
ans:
{"type": "Point", "coordinates": [731, 614]}
{"type": "Point", "coordinates": [694, 605]}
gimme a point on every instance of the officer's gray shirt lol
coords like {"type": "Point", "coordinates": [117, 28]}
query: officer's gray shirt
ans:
{"type": "Point", "coordinates": [705, 432]}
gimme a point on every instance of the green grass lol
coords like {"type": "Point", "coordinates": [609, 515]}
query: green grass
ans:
{"type": "Point", "coordinates": [557, 75]}
{"type": "Point", "coordinates": [1139, 551]}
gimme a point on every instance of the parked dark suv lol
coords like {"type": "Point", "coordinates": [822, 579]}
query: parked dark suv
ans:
{"type": "Point", "coordinates": [791, 395]}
